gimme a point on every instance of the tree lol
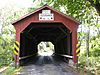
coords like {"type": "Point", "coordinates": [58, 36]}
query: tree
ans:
{"type": "Point", "coordinates": [7, 32]}
{"type": "Point", "coordinates": [96, 4]}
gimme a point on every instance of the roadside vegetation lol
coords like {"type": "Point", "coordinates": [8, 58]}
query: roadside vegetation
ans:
{"type": "Point", "coordinates": [85, 11]}
{"type": "Point", "coordinates": [7, 33]}
{"type": "Point", "coordinates": [11, 70]}
{"type": "Point", "coordinates": [90, 60]}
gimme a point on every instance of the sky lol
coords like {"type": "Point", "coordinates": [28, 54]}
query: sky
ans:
{"type": "Point", "coordinates": [18, 3]}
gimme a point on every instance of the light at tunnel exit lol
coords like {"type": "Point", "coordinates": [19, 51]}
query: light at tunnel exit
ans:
{"type": "Point", "coordinates": [45, 48]}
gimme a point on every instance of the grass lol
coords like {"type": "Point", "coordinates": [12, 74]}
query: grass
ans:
{"type": "Point", "coordinates": [83, 71]}
{"type": "Point", "coordinates": [90, 66]}
{"type": "Point", "coordinates": [11, 71]}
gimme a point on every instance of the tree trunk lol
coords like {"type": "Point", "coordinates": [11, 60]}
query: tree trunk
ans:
{"type": "Point", "coordinates": [87, 42]}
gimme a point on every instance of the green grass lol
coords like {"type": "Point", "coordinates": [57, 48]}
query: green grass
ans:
{"type": "Point", "coordinates": [92, 65]}
{"type": "Point", "coordinates": [84, 72]}
{"type": "Point", "coordinates": [11, 71]}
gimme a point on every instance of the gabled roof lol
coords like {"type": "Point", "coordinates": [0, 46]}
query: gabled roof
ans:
{"type": "Point", "coordinates": [46, 6]}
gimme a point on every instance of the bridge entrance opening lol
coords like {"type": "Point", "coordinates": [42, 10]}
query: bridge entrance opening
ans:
{"type": "Point", "coordinates": [45, 48]}
{"type": "Point", "coordinates": [36, 34]}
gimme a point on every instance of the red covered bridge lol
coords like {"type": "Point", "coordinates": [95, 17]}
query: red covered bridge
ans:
{"type": "Point", "coordinates": [45, 24]}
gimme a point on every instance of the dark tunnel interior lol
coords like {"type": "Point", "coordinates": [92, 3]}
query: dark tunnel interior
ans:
{"type": "Point", "coordinates": [56, 33]}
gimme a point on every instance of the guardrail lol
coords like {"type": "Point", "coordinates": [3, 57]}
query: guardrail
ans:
{"type": "Point", "coordinates": [68, 56]}
{"type": "Point", "coordinates": [26, 56]}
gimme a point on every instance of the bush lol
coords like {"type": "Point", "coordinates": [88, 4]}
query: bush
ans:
{"type": "Point", "coordinates": [6, 50]}
{"type": "Point", "coordinates": [95, 52]}
{"type": "Point", "coordinates": [91, 63]}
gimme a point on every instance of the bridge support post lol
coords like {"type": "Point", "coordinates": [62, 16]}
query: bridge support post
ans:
{"type": "Point", "coordinates": [16, 53]}
{"type": "Point", "coordinates": [16, 61]}
{"type": "Point", "coordinates": [74, 42]}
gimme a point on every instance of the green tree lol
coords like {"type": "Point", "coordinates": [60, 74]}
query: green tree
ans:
{"type": "Point", "coordinates": [7, 32]}
{"type": "Point", "coordinates": [96, 4]}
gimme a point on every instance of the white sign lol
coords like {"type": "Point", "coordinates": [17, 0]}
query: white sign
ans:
{"type": "Point", "coordinates": [46, 15]}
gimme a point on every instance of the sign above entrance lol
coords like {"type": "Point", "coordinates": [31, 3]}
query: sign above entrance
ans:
{"type": "Point", "coordinates": [46, 15]}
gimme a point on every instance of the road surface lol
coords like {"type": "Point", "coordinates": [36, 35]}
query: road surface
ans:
{"type": "Point", "coordinates": [46, 65]}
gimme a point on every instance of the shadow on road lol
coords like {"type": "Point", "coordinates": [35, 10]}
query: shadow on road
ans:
{"type": "Point", "coordinates": [42, 60]}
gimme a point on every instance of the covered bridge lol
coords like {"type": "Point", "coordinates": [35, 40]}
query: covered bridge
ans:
{"type": "Point", "coordinates": [45, 24]}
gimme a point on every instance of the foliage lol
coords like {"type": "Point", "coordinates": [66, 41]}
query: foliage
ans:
{"type": "Point", "coordinates": [6, 47]}
{"type": "Point", "coordinates": [95, 46]}
{"type": "Point", "coordinates": [7, 32]}
{"type": "Point", "coordinates": [96, 4]}
{"type": "Point", "coordinates": [90, 63]}
{"type": "Point", "coordinates": [11, 71]}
